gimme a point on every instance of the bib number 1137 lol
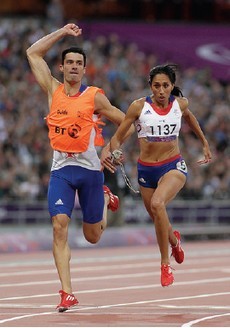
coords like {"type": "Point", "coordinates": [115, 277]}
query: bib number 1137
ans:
{"type": "Point", "coordinates": [165, 129]}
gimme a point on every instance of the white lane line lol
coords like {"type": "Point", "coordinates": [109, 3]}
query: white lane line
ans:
{"type": "Point", "coordinates": [115, 276]}
{"type": "Point", "coordinates": [218, 253]}
{"type": "Point", "coordinates": [26, 306]}
{"type": "Point", "coordinates": [193, 322]}
{"type": "Point", "coordinates": [114, 305]}
{"type": "Point", "coordinates": [107, 277]}
{"type": "Point", "coordinates": [82, 269]}
{"type": "Point", "coordinates": [96, 259]}
{"type": "Point", "coordinates": [136, 287]}
{"type": "Point", "coordinates": [25, 316]}
{"type": "Point", "coordinates": [196, 307]}
{"type": "Point", "coordinates": [113, 267]}
{"type": "Point", "coordinates": [51, 306]}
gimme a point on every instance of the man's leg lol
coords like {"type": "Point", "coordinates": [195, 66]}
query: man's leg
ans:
{"type": "Point", "coordinates": [61, 250]}
{"type": "Point", "coordinates": [61, 198]}
{"type": "Point", "coordinates": [93, 231]}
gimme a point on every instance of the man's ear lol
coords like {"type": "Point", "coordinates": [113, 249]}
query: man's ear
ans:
{"type": "Point", "coordinates": [61, 67]}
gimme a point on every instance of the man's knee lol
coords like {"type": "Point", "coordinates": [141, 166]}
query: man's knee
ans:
{"type": "Point", "coordinates": [60, 226]}
{"type": "Point", "coordinates": [92, 233]}
{"type": "Point", "coordinates": [92, 238]}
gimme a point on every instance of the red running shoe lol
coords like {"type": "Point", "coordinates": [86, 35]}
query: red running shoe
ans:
{"type": "Point", "coordinates": [113, 199]}
{"type": "Point", "coordinates": [177, 251]}
{"type": "Point", "coordinates": [67, 301]}
{"type": "Point", "coordinates": [166, 275]}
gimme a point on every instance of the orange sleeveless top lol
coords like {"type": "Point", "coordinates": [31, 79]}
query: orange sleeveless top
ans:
{"type": "Point", "coordinates": [71, 120]}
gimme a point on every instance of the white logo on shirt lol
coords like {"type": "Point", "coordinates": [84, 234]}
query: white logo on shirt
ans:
{"type": "Point", "coordinates": [147, 112]}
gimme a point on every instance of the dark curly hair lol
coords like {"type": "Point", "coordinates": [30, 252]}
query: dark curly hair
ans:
{"type": "Point", "coordinates": [169, 70]}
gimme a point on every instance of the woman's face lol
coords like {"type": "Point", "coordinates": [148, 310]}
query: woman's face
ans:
{"type": "Point", "coordinates": [161, 87]}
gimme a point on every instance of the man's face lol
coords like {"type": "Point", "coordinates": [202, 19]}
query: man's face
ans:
{"type": "Point", "coordinates": [73, 68]}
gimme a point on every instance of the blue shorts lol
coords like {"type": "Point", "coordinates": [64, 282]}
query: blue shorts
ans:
{"type": "Point", "coordinates": [150, 173]}
{"type": "Point", "coordinates": [62, 190]}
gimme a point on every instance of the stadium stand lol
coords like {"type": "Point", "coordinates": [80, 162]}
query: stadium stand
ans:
{"type": "Point", "coordinates": [120, 67]}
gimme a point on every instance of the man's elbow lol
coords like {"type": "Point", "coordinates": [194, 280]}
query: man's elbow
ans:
{"type": "Point", "coordinates": [31, 53]}
{"type": "Point", "coordinates": [28, 52]}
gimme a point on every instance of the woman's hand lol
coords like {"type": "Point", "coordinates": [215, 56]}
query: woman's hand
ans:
{"type": "Point", "coordinates": [207, 154]}
{"type": "Point", "coordinates": [111, 160]}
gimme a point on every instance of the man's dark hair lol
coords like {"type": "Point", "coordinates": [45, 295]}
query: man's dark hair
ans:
{"type": "Point", "coordinates": [75, 50]}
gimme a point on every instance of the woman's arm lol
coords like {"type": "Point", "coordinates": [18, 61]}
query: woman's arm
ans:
{"type": "Point", "coordinates": [195, 127]}
{"type": "Point", "coordinates": [109, 152]}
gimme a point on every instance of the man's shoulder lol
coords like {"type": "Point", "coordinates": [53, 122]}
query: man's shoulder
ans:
{"type": "Point", "coordinates": [96, 89]}
{"type": "Point", "coordinates": [56, 85]}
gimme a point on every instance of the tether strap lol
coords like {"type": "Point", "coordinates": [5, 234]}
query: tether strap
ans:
{"type": "Point", "coordinates": [126, 179]}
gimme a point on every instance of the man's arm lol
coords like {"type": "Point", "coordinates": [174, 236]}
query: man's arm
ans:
{"type": "Point", "coordinates": [38, 50]}
{"type": "Point", "coordinates": [125, 129]}
{"type": "Point", "coordinates": [105, 108]}
{"type": "Point", "coordinates": [112, 113]}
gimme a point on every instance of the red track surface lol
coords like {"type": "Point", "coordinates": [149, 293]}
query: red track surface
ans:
{"type": "Point", "coordinates": [119, 287]}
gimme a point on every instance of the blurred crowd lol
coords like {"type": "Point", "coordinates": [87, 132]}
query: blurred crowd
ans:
{"type": "Point", "coordinates": [122, 71]}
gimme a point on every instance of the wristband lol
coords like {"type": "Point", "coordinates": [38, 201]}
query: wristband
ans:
{"type": "Point", "coordinates": [116, 154]}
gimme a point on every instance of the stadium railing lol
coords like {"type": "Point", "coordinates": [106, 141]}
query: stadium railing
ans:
{"type": "Point", "coordinates": [207, 213]}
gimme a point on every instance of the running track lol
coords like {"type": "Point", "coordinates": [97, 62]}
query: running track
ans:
{"type": "Point", "coordinates": [119, 287]}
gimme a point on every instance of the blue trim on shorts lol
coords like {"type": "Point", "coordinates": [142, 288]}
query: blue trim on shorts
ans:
{"type": "Point", "coordinates": [63, 185]}
{"type": "Point", "coordinates": [150, 173]}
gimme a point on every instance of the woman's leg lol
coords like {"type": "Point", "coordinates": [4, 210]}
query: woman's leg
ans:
{"type": "Point", "coordinates": [168, 187]}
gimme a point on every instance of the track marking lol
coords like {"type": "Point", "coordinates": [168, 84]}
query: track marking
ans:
{"type": "Point", "coordinates": [193, 322]}
{"type": "Point", "coordinates": [112, 267]}
{"type": "Point", "coordinates": [77, 309]}
{"type": "Point", "coordinates": [26, 306]}
{"type": "Point", "coordinates": [150, 255]}
{"type": "Point", "coordinates": [87, 260]}
{"type": "Point", "coordinates": [117, 276]}
{"type": "Point", "coordinates": [184, 283]}
{"type": "Point", "coordinates": [80, 269]}
{"type": "Point", "coordinates": [25, 316]}
{"type": "Point", "coordinates": [196, 307]}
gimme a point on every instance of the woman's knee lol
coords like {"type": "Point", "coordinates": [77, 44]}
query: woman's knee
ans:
{"type": "Point", "coordinates": [157, 205]}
